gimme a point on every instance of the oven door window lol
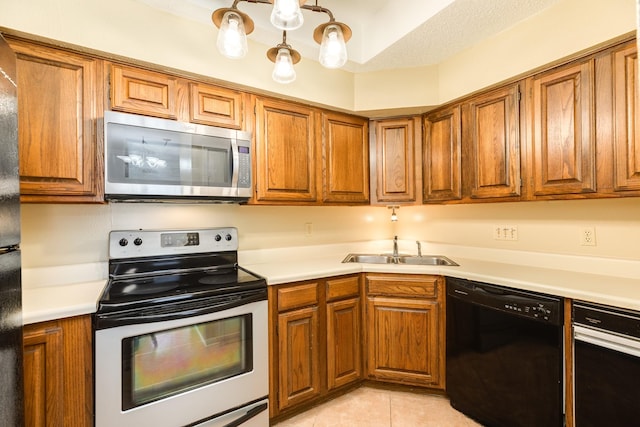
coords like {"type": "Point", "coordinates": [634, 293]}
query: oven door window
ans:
{"type": "Point", "coordinates": [137, 155]}
{"type": "Point", "coordinates": [165, 363]}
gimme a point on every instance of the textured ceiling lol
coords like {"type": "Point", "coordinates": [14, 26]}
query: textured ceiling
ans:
{"type": "Point", "coordinates": [423, 32]}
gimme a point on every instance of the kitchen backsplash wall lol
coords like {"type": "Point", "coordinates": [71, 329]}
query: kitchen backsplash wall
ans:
{"type": "Point", "coordinates": [75, 234]}
{"type": "Point", "coordinates": [542, 226]}
{"type": "Point", "coordinates": [55, 235]}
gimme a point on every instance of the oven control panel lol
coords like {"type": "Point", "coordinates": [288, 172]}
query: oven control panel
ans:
{"type": "Point", "coordinates": [141, 243]}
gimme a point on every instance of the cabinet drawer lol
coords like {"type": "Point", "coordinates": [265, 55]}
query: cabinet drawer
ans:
{"type": "Point", "coordinates": [343, 287]}
{"type": "Point", "coordinates": [297, 296]}
{"type": "Point", "coordinates": [402, 285]}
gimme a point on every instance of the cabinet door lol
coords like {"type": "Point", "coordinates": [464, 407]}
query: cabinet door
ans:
{"type": "Point", "coordinates": [285, 152]}
{"type": "Point", "coordinates": [215, 106]}
{"type": "Point", "coordinates": [627, 120]}
{"type": "Point", "coordinates": [299, 376]}
{"type": "Point", "coordinates": [563, 145]}
{"type": "Point", "coordinates": [345, 167]}
{"type": "Point", "coordinates": [441, 155]}
{"type": "Point", "coordinates": [58, 103]}
{"type": "Point", "coordinates": [344, 364]}
{"type": "Point", "coordinates": [58, 376]}
{"type": "Point", "coordinates": [403, 340]}
{"type": "Point", "coordinates": [43, 375]}
{"type": "Point", "coordinates": [491, 128]}
{"type": "Point", "coordinates": [395, 160]}
{"type": "Point", "coordinates": [143, 92]}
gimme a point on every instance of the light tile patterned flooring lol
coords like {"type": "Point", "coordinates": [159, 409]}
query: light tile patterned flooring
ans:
{"type": "Point", "coordinates": [372, 407]}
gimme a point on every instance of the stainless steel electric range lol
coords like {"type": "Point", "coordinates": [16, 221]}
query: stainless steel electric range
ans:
{"type": "Point", "coordinates": [180, 333]}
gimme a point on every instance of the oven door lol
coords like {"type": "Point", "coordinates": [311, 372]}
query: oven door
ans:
{"type": "Point", "coordinates": [183, 371]}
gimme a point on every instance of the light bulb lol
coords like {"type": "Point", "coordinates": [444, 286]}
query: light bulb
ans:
{"type": "Point", "coordinates": [286, 14]}
{"type": "Point", "coordinates": [283, 71]}
{"type": "Point", "coordinates": [333, 50]}
{"type": "Point", "coordinates": [232, 39]}
{"type": "Point", "coordinates": [394, 216]}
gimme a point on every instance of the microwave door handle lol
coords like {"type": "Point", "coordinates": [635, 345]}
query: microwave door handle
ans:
{"type": "Point", "coordinates": [235, 163]}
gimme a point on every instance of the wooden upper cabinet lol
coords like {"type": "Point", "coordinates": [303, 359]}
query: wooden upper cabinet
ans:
{"type": "Point", "coordinates": [285, 152]}
{"type": "Point", "coordinates": [215, 106]}
{"type": "Point", "coordinates": [138, 91]}
{"type": "Point", "coordinates": [442, 155]}
{"type": "Point", "coordinates": [626, 119]}
{"type": "Point", "coordinates": [563, 137]}
{"type": "Point", "coordinates": [345, 158]}
{"type": "Point", "coordinates": [491, 124]}
{"type": "Point", "coordinates": [59, 100]}
{"type": "Point", "coordinates": [395, 148]}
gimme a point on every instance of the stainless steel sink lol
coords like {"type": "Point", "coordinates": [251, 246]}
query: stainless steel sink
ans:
{"type": "Point", "coordinates": [370, 258]}
{"type": "Point", "coordinates": [401, 259]}
{"type": "Point", "coordinates": [426, 260]}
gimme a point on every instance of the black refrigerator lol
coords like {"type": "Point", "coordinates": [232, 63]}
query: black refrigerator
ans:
{"type": "Point", "coordinates": [11, 387]}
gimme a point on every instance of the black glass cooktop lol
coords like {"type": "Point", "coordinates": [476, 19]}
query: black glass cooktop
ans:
{"type": "Point", "coordinates": [144, 283]}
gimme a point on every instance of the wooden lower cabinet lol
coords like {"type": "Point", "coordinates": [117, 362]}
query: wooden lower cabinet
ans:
{"type": "Point", "coordinates": [315, 344]}
{"type": "Point", "coordinates": [58, 373]}
{"type": "Point", "coordinates": [405, 329]}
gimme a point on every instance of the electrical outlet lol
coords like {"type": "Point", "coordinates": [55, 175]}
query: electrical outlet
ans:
{"type": "Point", "coordinates": [505, 232]}
{"type": "Point", "coordinates": [497, 232]}
{"type": "Point", "coordinates": [588, 236]}
{"type": "Point", "coordinates": [308, 228]}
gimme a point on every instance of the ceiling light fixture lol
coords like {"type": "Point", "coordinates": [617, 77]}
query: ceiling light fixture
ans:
{"type": "Point", "coordinates": [286, 15]}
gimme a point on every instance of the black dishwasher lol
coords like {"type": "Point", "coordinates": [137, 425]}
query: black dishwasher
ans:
{"type": "Point", "coordinates": [606, 365]}
{"type": "Point", "coordinates": [505, 355]}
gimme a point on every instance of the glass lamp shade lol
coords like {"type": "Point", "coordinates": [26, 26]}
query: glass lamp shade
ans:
{"type": "Point", "coordinates": [232, 39]}
{"type": "Point", "coordinates": [286, 14]}
{"type": "Point", "coordinates": [333, 49]}
{"type": "Point", "coordinates": [283, 71]}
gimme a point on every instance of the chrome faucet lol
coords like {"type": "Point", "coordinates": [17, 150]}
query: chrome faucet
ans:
{"type": "Point", "coordinates": [395, 247]}
{"type": "Point", "coordinates": [419, 247]}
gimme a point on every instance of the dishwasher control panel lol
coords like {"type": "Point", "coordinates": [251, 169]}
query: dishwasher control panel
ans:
{"type": "Point", "coordinates": [546, 308]}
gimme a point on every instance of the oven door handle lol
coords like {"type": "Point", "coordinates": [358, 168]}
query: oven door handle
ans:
{"type": "Point", "coordinates": [112, 320]}
{"type": "Point", "coordinates": [607, 340]}
{"type": "Point", "coordinates": [246, 417]}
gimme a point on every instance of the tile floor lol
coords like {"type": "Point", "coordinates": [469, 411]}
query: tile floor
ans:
{"type": "Point", "coordinates": [372, 407]}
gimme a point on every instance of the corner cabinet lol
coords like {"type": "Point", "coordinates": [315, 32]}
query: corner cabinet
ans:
{"type": "Point", "coordinates": [405, 329]}
{"type": "Point", "coordinates": [442, 153]}
{"type": "Point", "coordinates": [59, 102]}
{"type": "Point", "coordinates": [58, 373]}
{"type": "Point", "coordinates": [397, 146]}
{"type": "Point", "coordinates": [315, 340]}
{"type": "Point", "coordinates": [345, 159]}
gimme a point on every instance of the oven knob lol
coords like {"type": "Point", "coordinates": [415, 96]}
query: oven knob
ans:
{"type": "Point", "coordinates": [228, 237]}
{"type": "Point", "coordinates": [123, 242]}
{"type": "Point", "coordinates": [138, 241]}
{"type": "Point", "coordinates": [218, 237]}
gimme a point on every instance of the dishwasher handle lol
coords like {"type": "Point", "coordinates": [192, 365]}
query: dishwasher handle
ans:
{"type": "Point", "coordinates": [607, 340]}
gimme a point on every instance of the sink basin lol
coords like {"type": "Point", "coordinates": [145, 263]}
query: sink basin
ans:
{"type": "Point", "coordinates": [370, 258]}
{"type": "Point", "coordinates": [402, 259]}
{"type": "Point", "coordinates": [426, 260]}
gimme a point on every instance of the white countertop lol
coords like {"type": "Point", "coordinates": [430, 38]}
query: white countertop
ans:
{"type": "Point", "coordinates": [56, 292]}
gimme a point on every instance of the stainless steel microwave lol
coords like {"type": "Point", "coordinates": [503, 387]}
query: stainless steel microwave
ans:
{"type": "Point", "coordinates": [151, 159]}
